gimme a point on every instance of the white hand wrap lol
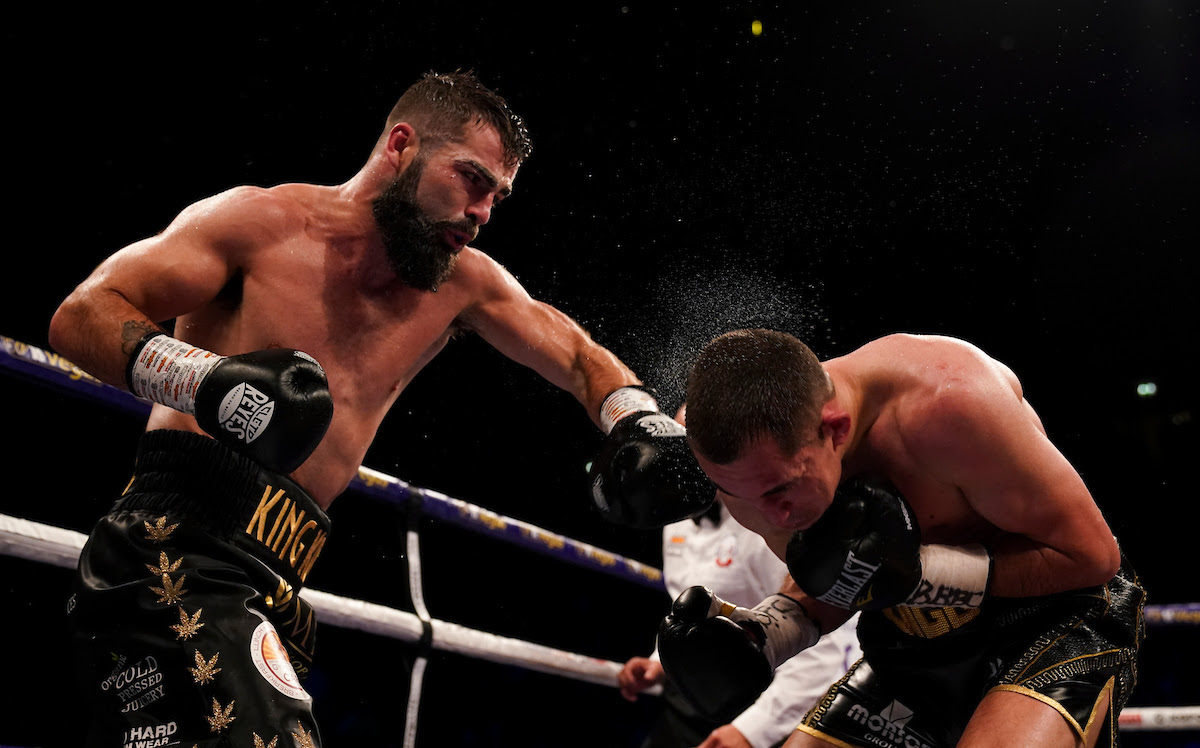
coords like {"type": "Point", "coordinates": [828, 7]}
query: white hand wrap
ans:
{"type": "Point", "coordinates": [621, 402]}
{"type": "Point", "coordinates": [168, 371]}
{"type": "Point", "coordinates": [952, 576]}
{"type": "Point", "coordinates": [788, 628]}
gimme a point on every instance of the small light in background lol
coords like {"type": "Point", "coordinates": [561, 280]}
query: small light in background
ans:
{"type": "Point", "coordinates": [1147, 389]}
{"type": "Point", "coordinates": [756, 28]}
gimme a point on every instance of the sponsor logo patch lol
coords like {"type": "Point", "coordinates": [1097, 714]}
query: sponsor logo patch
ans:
{"type": "Point", "coordinates": [245, 412]}
{"type": "Point", "coordinates": [150, 736]}
{"type": "Point", "coordinates": [726, 550]}
{"type": "Point", "coordinates": [271, 659]}
{"type": "Point", "coordinates": [136, 685]}
{"type": "Point", "coordinates": [660, 424]}
{"type": "Point", "coordinates": [889, 727]}
{"type": "Point", "coordinates": [855, 575]}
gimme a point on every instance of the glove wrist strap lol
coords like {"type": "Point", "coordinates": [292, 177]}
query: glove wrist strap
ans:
{"type": "Point", "coordinates": [952, 576]}
{"type": "Point", "coordinates": [624, 401]}
{"type": "Point", "coordinates": [169, 371]}
{"type": "Point", "coordinates": [787, 626]}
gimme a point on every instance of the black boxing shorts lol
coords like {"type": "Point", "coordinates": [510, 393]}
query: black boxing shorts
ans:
{"type": "Point", "coordinates": [925, 670]}
{"type": "Point", "coordinates": [186, 617]}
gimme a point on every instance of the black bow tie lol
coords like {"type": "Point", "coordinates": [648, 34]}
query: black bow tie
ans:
{"type": "Point", "coordinates": [713, 513]}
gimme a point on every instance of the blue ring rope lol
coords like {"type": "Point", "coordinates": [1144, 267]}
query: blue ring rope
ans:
{"type": "Point", "coordinates": [47, 368]}
{"type": "Point", "coordinates": [50, 369]}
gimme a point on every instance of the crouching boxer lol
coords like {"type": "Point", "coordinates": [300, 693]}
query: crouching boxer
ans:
{"type": "Point", "coordinates": [911, 481]}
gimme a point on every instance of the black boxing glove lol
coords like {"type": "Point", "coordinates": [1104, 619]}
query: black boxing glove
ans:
{"type": "Point", "coordinates": [645, 475]}
{"type": "Point", "coordinates": [865, 553]}
{"type": "Point", "coordinates": [273, 405]}
{"type": "Point", "coordinates": [721, 656]}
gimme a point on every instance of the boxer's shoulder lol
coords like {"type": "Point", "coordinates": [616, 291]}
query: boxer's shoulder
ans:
{"type": "Point", "coordinates": [247, 217]}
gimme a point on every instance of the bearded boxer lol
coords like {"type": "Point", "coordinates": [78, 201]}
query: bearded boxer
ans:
{"type": "Point", "coordinates": [909, 480]}
{"type": "Point", "coordinates": [300, 313]}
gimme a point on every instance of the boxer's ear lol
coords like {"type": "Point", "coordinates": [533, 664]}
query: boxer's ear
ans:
{"type": "Point", "coordinates": [400, 146]}
{"type": "Point", "coordinates": [835, 423]}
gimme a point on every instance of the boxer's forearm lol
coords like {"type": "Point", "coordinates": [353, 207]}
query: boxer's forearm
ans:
{"type": "Point", "coordinates": [98, 329]}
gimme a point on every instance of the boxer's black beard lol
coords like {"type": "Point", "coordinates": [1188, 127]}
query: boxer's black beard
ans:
{"type": "Point", "coordinates": [415, 244]}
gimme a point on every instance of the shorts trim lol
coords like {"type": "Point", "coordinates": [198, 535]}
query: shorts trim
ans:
{"type": "Point", "coordinates": [824, 738]}
{"type": "Point", "coordinates": [1080, 731]}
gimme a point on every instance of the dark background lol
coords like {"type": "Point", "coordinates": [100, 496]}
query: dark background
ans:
{"type": "Point", "coordinates": [1020, 175]}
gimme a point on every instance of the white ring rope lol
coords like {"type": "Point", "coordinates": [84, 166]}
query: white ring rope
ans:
{"type": "Point", "coordinates": [60, 547]}
{"type": "Point", "coordinates": [37, 542]}
{"type": "Point", "coordinates": [1149, 718]}
{"type": "Point", "coordinates": [417, 595]}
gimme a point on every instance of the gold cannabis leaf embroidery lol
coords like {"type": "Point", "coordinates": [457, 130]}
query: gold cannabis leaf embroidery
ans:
{"type": "Point", "coordinates": [159, 531]}
{"type": "Point", "coordinates": [165, 565]}
{"type": "Point", "coordinates": [220, 718]}
{"type": "Point", "coordinates": [187, 627]}
{"type": "Point", "coordinates": [304, 739]}
{"type": "Point", "coordinates": [205, 669]}
{"type": "Point", "coordinates": [171, 592]}
{"type": "Point", "coordinates": [258, 742]}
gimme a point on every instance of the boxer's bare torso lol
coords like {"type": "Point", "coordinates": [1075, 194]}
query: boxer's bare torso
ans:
{"type": "Point", "coordinates": [949, 426]}
{"type": "Point", "coordinates": [312, 287]}
{"type": "Point", "coordinates": [303, 266]}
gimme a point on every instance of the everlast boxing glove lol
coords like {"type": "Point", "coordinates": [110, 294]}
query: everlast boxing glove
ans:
{"type": "Point", "coordinates": [273, 405]}
{"type": "Point", "coordinates": [645, 475]}
{"type": "Point", "coordinates": [721, 656]}
{"type": "Point", "coordinates": [865, 553]}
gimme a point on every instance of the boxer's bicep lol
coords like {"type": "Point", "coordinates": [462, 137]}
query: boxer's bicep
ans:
{"type": "Point", "coordinates": [159, 278]}
{"type": "Point", "coordinates": [986, 444]}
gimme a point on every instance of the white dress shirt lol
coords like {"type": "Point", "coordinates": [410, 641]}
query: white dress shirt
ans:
{"type": "Point", "coordinates": [737, 565]}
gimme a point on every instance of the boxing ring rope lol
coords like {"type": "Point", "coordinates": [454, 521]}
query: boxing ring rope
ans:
{"type": "Point", "coordinates": [61, 547]}
{"type": "Point", "coordinates": [50, 369]}
{"type": "Point", "coordinates": [35, 541]}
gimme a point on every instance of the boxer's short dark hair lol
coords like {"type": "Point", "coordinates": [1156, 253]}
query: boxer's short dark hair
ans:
{"type": "Point", "coordinates": [442, 105]}
{"type": "Point", "coordinates": [748, 384]}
